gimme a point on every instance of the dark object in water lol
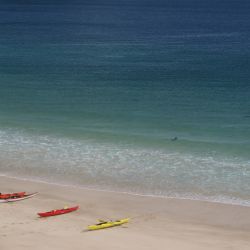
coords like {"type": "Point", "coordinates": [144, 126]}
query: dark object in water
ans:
{"type": "Point", "coordinates": [174, 138]}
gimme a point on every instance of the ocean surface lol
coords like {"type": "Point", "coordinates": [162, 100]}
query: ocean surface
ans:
{"type": "Point", "coordinates": [92, 94]}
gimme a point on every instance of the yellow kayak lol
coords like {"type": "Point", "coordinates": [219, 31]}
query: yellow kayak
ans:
{"type": "Point", "coordinates": [107, 224]}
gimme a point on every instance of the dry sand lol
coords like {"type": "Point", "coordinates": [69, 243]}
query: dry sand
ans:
{"type": "Point", "coordinates": [157, 223]}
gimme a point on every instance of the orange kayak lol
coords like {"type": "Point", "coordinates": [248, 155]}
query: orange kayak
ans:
{"type": "Point", "coordinates": [11, 196]}
{"type": "Point", "coordinates": [58, 211]}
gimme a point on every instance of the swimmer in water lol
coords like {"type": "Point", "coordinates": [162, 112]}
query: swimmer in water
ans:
{"type": "Point", "coordinates": [174, 139]}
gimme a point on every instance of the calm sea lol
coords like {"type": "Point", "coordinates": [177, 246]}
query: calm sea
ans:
{"type": "Point", "coordinates": [146, 97]}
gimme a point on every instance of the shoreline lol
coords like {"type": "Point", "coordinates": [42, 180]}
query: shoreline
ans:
{"type": "Point", "coordinates": [244, 204]}
{"type": "Point", "coordinates": [156, 222]}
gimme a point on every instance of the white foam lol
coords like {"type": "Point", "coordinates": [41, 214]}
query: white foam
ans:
{"type": "Point", "coordinates": [125, 168]}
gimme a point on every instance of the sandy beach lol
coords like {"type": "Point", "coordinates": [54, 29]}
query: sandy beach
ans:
{"type": "Point", "coordinates": [157, 223]}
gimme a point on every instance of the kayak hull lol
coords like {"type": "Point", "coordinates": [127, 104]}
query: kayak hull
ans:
{"type": "Point", "coordinates": [26, 196]}
{"type": "Point", "coordinates": [108, 224]}
{"type": "Point", "coordinates": [58, 212]}
{"type": "Point", "coordinates": [11, 196]}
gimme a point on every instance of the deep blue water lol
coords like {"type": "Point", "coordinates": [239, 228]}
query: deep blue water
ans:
{"type": "Point", "coordinates": [92, 92]}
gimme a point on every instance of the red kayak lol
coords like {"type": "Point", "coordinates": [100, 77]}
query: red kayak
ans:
{"type": "Point", "coordinates": [58, 211]}
{"type": "Point", "coordinates": [18, 198]}
{"type": "Point", "coordinates": [11, 196]}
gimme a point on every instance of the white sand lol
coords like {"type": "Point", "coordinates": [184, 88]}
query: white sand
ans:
{"type": "Point", "coordinates": [157, 223]}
